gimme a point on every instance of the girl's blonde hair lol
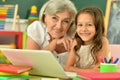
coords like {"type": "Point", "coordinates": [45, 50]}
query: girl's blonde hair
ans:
{"type": "Point", "coordinates": [52, 7]}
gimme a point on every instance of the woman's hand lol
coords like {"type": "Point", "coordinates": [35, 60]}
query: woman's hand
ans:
{"type": "Point", "coordinates": [60, 45]}
{"type": "Point", "coordinates": [66, 42]}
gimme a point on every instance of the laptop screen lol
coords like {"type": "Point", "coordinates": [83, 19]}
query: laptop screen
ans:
{"type": "Point", "coordinates": [43, 62]}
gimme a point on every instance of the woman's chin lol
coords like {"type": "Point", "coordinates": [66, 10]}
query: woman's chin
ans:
{"type": "Point", "coordinates": [56, 36]}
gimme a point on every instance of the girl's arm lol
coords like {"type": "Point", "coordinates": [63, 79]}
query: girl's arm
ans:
{"type": "Point", "coordinates": [105, 51]}
{"type": "Point", "coordinates": [71, 68]}
{"type": "Point", "coordinates": [71, 61]}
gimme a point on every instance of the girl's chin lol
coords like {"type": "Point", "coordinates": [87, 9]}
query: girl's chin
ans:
{"type": "Point", "coordinates": [85, 39]}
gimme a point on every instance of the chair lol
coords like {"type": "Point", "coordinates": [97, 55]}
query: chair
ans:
{"type": "Point", "coordinates": [115, 51]}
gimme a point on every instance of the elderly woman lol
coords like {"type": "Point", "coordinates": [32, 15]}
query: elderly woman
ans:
{"type": "Point", "coordinates": [54, 30]}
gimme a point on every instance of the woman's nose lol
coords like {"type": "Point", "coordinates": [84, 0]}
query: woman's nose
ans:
{"type": "Point", "coordinates": [59, 24]}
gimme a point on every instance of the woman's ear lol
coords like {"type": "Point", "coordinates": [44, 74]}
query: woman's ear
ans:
{"type": "Point", "coordinates": [43, 18]}
{"type": "Point", "coordinates": [72, 29]}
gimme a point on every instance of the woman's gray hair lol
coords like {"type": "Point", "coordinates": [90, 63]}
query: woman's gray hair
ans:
{"type": "Point", "coordinates": [51, 7]}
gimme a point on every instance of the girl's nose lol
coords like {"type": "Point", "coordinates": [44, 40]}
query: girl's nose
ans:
{"type": "Point", "coordinates": [84, 28]}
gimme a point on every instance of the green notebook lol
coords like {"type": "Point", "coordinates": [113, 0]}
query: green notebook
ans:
{"type": "Point", "coordinates": [3, 59]}
{"type": "Point", "coordinates": [15, 77]}
{"type": "Point", "coordinates": [77, 78]}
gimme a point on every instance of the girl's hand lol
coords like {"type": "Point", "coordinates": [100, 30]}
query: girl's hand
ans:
{"type": "Point", "coordinates": [96, 68]}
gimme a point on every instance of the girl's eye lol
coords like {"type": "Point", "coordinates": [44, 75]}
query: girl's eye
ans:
{"type": "Point", "coordinates": [89, 25]}
{"type": "Point", "coordinates": [80, 25]}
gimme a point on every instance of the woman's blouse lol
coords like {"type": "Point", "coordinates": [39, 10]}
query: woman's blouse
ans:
{"type": "Point", "coordinates": [38, 32]}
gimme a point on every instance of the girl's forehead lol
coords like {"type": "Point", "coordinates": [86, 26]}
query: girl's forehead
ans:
{"type": "Point", "coordinates": [85, 15]}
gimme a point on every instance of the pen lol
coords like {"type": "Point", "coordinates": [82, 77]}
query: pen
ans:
{"type": "Point", "coordinates": [105, 60]}
{"type": "Point", "coordinates": [116, 60]}
{"type": "Point", "coordinates": [101, 60]}
{"type": "Point", "coordinates": [110, 60]}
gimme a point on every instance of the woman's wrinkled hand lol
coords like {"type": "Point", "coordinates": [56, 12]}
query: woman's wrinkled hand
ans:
{"type": "Point", "coordinates": [66, 42]}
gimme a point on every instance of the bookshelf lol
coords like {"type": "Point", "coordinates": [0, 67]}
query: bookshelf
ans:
{"type": "Point", "coordinates": [8, 37]}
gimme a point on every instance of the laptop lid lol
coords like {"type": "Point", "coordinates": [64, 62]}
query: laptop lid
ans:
{"type": "Point", "coordinates": [43, 62]}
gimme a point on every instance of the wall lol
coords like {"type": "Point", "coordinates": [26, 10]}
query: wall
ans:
{"type": "Point", "coordinates": [24, 5]}
{"type": "Point", "coordinates": [24, 8]}
{"type": "Point", "coordinates": [115, 52]}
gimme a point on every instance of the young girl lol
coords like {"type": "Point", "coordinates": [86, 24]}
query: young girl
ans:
{"type": "Point", "coordinates": [89, 43]}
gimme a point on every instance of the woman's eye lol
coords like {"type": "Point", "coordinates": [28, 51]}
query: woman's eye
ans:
{"type": "Point", "coordinates": [66, 21]}
{"type": "Point", "coordinates": [54, 18]}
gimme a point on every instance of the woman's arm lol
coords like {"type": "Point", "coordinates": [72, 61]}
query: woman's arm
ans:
{"type": "Point", "coordinates": [31, 44]}
{"type": "Point", "coordinates": [55, 44]}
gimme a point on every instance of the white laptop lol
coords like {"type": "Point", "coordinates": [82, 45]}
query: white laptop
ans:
{"type": "Point", "coordinates": [43, 62]}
